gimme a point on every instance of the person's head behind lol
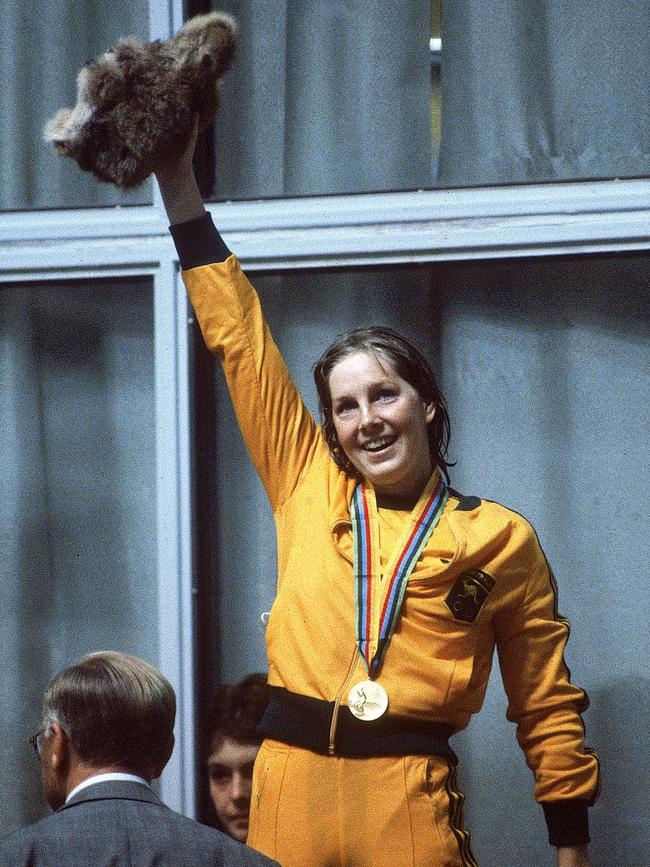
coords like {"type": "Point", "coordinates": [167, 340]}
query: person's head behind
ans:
{"type": "Point", "coordinates": [117, 712]}
{"type": "Point", "coordinates": [232, 743]}
{"type": "Point", "coordinates": [408, 363]}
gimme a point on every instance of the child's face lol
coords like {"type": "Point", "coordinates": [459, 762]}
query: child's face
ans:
{"type": "Point", "coordinates": [230, 769]}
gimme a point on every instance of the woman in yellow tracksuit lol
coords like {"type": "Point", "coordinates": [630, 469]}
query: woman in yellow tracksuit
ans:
{"type": "Point", "coordinates": [393, 591]}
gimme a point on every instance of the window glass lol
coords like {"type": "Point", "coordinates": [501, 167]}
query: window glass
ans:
{"type": "Point", "coordinates": [374, 96]}
{"type": "Point", "coordinates": [42, 48]}
{"type": "Point", "coordinates": [536, 93]}
{"type": "Point", "coordinates": [435, 48]}
{"type": "Point", "coordinates": [325, 98]}
{"type": "Point", "coordinates": [77, 526]}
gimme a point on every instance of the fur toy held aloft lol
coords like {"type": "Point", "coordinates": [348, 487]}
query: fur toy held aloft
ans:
{"type": "Point", "coordinates": [136, 105]}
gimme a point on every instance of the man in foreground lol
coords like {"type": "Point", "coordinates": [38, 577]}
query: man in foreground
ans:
{"type": "Point", "coordinates": [107, 732]}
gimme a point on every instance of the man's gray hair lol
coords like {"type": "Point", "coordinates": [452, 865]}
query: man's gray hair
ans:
{"type": "Point", "coordinates": [116, 709]}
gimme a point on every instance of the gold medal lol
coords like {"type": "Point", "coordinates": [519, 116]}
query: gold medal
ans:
{"type": "Point", "coordinates": [367, 700]}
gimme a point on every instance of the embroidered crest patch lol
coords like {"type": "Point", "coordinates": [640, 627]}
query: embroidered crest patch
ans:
{"type": "Point", "coordinates": [468, 594]}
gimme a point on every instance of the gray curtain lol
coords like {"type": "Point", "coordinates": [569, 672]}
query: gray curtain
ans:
{"type": "Point", "coordinates": [545, 90]}
{"type": "Point", "coordinates": [326, 97]}
{"type": "Point", "coordinates": [78, 516]}
{"type": "Point", "coordinates": [42, 48]}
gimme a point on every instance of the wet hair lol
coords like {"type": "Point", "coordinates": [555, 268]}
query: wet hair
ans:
{"type": "Point", "coordinates": [236, 711]}
{"type": "Point", "coordinates": [116, 709]}
{"type": "Point", "coordinates": [408, 362]}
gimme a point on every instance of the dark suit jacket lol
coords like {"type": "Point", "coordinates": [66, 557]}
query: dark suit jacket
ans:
{"type": "Point", "coordinates": [122, 824]}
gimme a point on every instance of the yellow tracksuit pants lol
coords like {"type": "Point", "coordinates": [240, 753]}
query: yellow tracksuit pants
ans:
{"type": "Point", "coordinates": [309, 810]}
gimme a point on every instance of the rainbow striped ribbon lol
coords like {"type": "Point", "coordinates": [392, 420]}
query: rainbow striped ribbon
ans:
{"type": "Point", "coordinates": [377, 602]}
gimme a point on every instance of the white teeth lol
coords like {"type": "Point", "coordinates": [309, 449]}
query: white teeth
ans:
{"type": "Point", "coordinates": [377, 444]}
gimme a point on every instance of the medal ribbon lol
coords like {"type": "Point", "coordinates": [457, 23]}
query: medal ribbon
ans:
{"type": "Point", "coordinates": [378, 603]}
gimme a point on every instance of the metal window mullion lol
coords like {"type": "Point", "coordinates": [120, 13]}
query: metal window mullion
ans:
{"type": "Point", "coordinates": [173, 492]}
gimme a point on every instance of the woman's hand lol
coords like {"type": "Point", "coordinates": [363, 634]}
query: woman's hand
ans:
{"type": "Point", "coordinates": [573, 856]}
{"type": "Point", "coordinates": [181, 162]}
{"type": "Point", "coordinates": [177, 183]}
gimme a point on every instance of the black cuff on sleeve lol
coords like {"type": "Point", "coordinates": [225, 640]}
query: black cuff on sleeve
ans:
{"type": "Point", "coordinates": [568, 822]}
{"type": "Point", "coordinates": [198, 242]}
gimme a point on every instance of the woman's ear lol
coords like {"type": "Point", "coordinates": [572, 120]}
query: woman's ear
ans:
{"type": "Point", "coordinates": [429, 412]}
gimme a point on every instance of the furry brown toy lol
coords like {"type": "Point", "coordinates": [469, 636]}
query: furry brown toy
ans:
{"type": "Point", "coordinates": [136, 105]}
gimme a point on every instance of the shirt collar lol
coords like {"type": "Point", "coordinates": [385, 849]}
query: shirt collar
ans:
{"type": "Point", "coordinates": [103, 778]}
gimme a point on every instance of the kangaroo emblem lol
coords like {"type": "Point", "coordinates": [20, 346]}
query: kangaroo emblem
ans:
{"type": "Point", "coordinates": [468, 595]}
{"type": "Point", "coordinates": [470, 588]}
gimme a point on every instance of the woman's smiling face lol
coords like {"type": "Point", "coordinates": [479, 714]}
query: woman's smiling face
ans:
{"type": "Point", "coordinates": [381, 423]}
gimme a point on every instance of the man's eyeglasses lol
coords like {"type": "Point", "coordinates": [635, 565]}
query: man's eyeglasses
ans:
{"type": "Point", "coordinates": [36, 742]}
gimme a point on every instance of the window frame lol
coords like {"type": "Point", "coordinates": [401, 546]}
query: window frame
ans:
{"type": "Point", "coordinates": [438, 225]}
{"type": "Point", "coordinates": [343, 231]}
{"type": "Point", "coordinates": [58, 259]}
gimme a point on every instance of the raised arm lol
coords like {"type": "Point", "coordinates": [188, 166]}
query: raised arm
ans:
{"type": "Point", "coordinates": [178, 186]}
{"type": "Point", "coordinates": [279, 431]}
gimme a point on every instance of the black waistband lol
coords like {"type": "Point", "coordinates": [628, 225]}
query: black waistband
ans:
{"type": "Point", "coordinates": [305, 722]}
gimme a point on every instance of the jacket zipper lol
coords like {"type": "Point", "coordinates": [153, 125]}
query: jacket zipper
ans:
{"type": "Point", "coordinates": [337, 702]}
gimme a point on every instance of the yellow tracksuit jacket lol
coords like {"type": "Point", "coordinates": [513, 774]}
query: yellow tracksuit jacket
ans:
{"type": "Point", "coordinates": [482, 581]}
